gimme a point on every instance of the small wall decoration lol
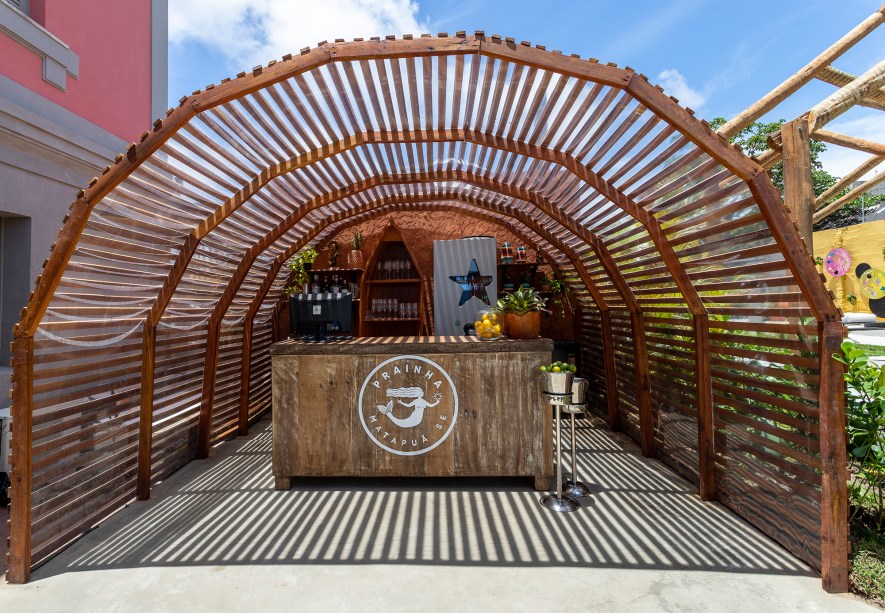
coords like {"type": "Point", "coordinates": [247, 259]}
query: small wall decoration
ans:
{"type": "Point", "coordinates": [872, 281]}
{"type": "Point", "coordinates": [837, 262]}
{"type": "Point", "coordinates": [872, 286]}
{"type": "Point", "coordinates": [507, 253]}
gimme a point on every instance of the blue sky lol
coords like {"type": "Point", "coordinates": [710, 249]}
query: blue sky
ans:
{"type": "Point", "coordinates": [715, 56]}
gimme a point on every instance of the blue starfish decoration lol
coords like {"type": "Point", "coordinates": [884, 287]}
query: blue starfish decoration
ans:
{"type": "Point", "coordinates": [473, 284]}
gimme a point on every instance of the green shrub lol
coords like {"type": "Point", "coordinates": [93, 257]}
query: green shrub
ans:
{"type": "Point", "coordinates": [868, 567]}
{"type": "Point", "coordinates": [865, 409]}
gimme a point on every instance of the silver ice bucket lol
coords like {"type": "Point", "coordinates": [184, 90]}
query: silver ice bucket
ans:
{"type": "Point", "coordinates": [557, 382]}
{"type": "Point", "coordinates": [579, 390]}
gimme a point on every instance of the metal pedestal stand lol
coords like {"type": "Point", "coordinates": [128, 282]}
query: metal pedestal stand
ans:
{"type": "Point", "coordinates": [574, 487]}
{"type": "Point", "coordinates": [559, 501]}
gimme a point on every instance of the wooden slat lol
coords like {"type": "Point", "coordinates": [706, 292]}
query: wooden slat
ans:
{"type": "Point", "coordinates": [643, 389]}
{"type": "Point", "coordinates": [611, 380]}
{"type": "Point", "coordinates": [19, 556]}
{"type": "Point", "coordinates": [706, 431]}
{"type": "Point", "coordinates": [146, 413]}
{"type": "Point", "coordinates": [834, 462]}
{"type": "Point", "coordinates": [245, 366]}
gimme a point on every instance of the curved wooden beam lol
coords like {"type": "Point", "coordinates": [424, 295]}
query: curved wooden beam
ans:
{"type": "Point", "coordinates": [179, 268]}
{"type": "Point", "coordinates": [548, 208]}
{"type": "Point", "coordinates": [637, 85]}
{"type": "Point", "coordinates": [795, 253]}
{"type": "Point", "coordinates": [242, 196]}
{"type": "Point", "coordinates": [277, 264]}
{"type": "Point", "coordinates": [653, 227]}
{"type": "Point", "coordinates": [204, 428]}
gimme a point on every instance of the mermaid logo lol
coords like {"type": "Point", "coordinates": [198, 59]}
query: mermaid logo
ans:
{"type": "Point", "coordinates": [408, 405]}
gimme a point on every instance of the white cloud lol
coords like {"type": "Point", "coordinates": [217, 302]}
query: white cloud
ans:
{"type": "Point", "coordinates": [253, 32]}
{"type": "Point", "coordinates": [870, 125]}
{"type": "Point", "coordinates": [675, 85]}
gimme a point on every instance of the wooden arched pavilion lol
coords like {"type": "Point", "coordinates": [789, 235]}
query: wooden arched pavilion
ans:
{"type": "Point", "coordinates": [707, 328]}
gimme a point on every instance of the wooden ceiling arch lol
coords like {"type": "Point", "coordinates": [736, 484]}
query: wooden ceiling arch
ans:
{"type": "Point", "coordinates": [340, 222]}
{"type": "Point", "coordinates": [636, 169]}
{"type": "Point", "coordinates": [636, 85]}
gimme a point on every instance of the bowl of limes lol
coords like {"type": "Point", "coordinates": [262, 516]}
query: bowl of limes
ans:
{"type": "Point", "coordinates": [557, 378]}
{"type": "Point", "coordinates": [487, 325]}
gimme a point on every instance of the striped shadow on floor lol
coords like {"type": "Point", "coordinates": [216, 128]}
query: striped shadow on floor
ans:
{"type": "Point", "coordinates": [224, 511]}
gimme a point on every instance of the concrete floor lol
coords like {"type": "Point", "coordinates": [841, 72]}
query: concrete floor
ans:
{"type": "Point", "coordinates": [216, 536]}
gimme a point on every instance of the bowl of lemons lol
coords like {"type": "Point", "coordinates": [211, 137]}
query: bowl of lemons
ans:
{"type": "Point", "coordinates": [488, 325]}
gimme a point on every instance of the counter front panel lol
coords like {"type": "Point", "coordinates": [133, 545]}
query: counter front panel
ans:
{"type": "Point", "coordinates": [417, 406]}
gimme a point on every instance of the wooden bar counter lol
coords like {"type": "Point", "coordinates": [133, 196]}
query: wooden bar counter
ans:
{"type": "Point", "coordinates": [416, 406]}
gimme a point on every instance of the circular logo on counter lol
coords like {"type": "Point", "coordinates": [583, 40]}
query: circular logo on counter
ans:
{"type": "Point", "coordinates": [408, 405]}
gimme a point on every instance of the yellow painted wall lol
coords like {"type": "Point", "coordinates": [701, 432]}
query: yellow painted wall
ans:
{"type": "Point", "coordinates": [865, 243]}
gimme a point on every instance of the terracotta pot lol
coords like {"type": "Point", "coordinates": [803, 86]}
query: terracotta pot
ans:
{"type": "Point", "coordinates": [355, 259]}
{"type": "Point", "coordinates": [523, 327]}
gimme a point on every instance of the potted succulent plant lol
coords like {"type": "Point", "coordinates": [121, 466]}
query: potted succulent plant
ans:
{"type": "Point", "coordinates": [300, 266]}
{"type": "Point", "coordinates": [521, 312]}
{"type": "Point", "coordinates": [355, 257]}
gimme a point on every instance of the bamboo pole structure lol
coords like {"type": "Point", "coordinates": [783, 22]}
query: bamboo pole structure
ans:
{"type": "Point", "coordinates": [860, 144]}
{"type": "Point", "coordinates": [803, 76]}
{"type": "Point", "coordinates": [847, 180]}
{"type": "Point", "coordinates": [851, 195]}
{"type": "Point", "coordinates": [833, 76]}
{"type": "Point", "coordinates": [844, 98]}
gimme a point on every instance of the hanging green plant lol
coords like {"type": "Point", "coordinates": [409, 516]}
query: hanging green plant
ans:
{"type": "Point", "coordinates": [852, 299]}
{"type": "Point", "coordinates": [819, 261]}
{"type": "Point", "coordinates": [560, 288]}
{"type": "Point", "coordinates": [300, 266]}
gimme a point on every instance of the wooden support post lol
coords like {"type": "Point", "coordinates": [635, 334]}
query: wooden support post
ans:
{"type": "Point", "coordinates": [704, 384]}
{"type": "Point", "coordinates": [611, 381]}
{"type": "Point", "coordinates": [834, 461]}
{"type": "Point", "coordinates": [204, 428]}
{"type": "Point", "coordinates": [798, 182]}
{"type": "Point", "coordinates": [19, 556]}
{"type": "Point", "coordinates": [245, 368]}
{"type": "Point", "coordinates": [643, 385]}
{"type": "Point", "coordinates": [146, 412]}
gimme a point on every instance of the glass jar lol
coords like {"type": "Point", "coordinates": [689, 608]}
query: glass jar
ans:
{"type": "Point", "coordinates": [488, 325]}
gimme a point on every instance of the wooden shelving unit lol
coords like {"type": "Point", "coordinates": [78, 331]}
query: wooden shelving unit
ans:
{"type": "Point", "coordinates": [516, 273]}
{"type": "Point", "coordinates": [374, 286]}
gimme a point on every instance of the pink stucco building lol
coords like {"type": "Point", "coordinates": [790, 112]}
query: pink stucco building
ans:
{"type": "Point", "coordinates": [78, 80]}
